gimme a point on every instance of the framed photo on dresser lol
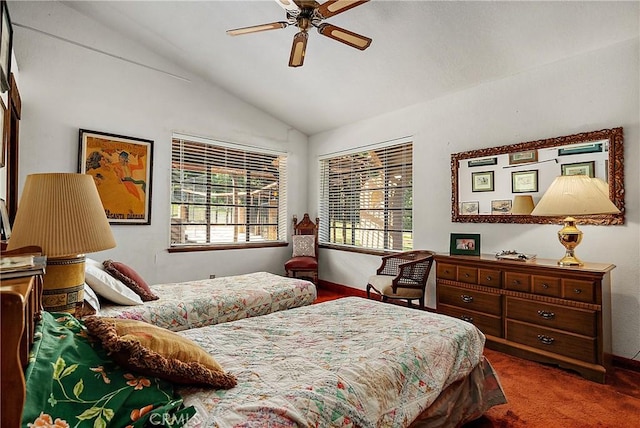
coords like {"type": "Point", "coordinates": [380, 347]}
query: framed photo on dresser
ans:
{"type": "Point", "coordinates": [465, 244]}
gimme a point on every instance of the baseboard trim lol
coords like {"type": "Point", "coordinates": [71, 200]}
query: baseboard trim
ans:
{"type": "Point", "coordinates": [626, 363]}
{"type": "Point", "coordinates": [619, 362]}
{"type": "Point", "coordinates": [342, 289]}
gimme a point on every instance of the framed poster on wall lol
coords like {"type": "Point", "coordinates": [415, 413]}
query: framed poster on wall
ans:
{"type": "Point", "coordinates": [122, 170]}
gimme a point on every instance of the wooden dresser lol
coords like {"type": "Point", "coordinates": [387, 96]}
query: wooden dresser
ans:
{"type": "Point", "coordinates": [533, 309]}
{"type": "Point", "coordinates": [20, 306]}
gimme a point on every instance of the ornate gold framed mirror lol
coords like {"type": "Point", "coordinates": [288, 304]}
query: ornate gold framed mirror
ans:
{"type": "Point", "coordinates": [486, 183]}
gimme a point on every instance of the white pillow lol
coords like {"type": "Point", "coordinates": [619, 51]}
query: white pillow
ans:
{"type": "Point", "coordinates": [88, 261]}
{"type": "Point", "coordinates": [107, 286]}
{"type": "Point", "coordinates": [91, 298]}
{"type": "Point", "coordinates": [304, 246]}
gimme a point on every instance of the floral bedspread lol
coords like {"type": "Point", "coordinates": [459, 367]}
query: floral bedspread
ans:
{"type": "Point", "coordinates": [348, 362]}
{"type": "Point", "coordinates": [71, 382]}
{"type": "Point", "coordinates": [200, 303]}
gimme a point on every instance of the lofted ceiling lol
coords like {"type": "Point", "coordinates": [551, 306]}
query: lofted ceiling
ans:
{"type": "Point", "coordinates": [421, 50]}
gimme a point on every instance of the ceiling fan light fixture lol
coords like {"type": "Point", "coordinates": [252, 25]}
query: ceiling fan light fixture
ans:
{"type": "Point", "coordinates": [257, 28]}
{"type": "Point", "coordinates": [331, 8]}
{"type": "Point", "coordinates": [298, 49]}
{"type": "Point", "coordinates": [288, 5]}
{"type": "Point", "coordinates": [344, 36]}
{"type": "Point", "coordinates": [305, 14]}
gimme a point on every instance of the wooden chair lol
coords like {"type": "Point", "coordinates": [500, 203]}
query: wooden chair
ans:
{"type": "Point", "coordinates": [402, 276]}
{"type": "Point", "coordinates": [304, 260]}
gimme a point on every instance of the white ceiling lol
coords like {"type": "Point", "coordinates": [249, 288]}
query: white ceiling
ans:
{"type": "Point", "coordinates": [421, 50]}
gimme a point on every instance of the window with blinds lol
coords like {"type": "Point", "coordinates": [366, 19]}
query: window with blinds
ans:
{"type": "Point", "coordinates": [223, 194]}
{"type": "Point", "coordinates": [367, 198]}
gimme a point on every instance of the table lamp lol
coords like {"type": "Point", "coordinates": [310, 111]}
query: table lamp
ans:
{"type": "Point", "coordinates": [62, 213]}
{"type": "Point", "coordinates": [522, 205]}
{"type": "Point", "coordinates": [571, 195]}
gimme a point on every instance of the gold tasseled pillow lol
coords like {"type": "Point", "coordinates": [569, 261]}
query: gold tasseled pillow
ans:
{"type": "Point", "coordinates": [154, 351]}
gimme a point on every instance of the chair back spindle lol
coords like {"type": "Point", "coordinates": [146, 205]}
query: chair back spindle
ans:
{"type": "Point", "coordinates": [305, 266]}
{"type": "Point", "coordinates": [402, 276]}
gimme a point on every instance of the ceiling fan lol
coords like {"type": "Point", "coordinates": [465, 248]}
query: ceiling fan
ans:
{"type": "Point", "coordinates": [309, 13]}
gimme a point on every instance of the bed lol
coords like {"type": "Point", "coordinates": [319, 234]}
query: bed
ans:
{"type": "Point", "coordinates": [347, 362]}
{"type": "Point", "coordinates": [193, 304]}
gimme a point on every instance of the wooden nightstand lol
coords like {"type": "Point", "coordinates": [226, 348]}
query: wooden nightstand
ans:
{"type": "Point", "coordinates": [533, 309]}
{"type": "Point", "coordinates": [17, 290]}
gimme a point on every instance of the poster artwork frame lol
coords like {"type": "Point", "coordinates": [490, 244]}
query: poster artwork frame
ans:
{"type": "Point", "coordinates": [124, 188]}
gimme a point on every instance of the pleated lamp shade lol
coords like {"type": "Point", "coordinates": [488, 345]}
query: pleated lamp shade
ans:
{"type": "Point", "coordinates": [522, 205]}
{"type": "Point", "coordinates": [62, 214]}
{"type": "Point", "coordinates": [571, 195]}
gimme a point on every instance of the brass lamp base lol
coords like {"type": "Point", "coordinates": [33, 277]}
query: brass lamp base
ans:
{"type": "Point", "coordinates": [570, 236]}
{"type": "Point", "coordinates": [63, 284]}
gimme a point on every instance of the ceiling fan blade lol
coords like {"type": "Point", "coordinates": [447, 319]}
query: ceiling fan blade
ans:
{"type": "Point", "coordinates": [334, 7]}
{"type": "Point", "coordinates": [257, 28]}
{"type": "Point", "coordinates": [290, 6]}
{"type": "Point", "coordinates": [344, 36]}
{"type": "Point", "coordinates": [298, 49]}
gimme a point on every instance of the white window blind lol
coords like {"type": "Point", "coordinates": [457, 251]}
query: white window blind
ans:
{"type": "Point", "coordinates": [226, 194]}
{"type": "Point", "coordinates": [367, 198]}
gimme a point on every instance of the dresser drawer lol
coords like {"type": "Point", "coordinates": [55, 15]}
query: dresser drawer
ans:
{"type": "Point", "coordinates": [446, 271]}
{"type": "Point", "coordinates": [517, 281]}
{"type": "Point", "coordinates": [575, 320]}
{"type": "Point", "coordinates": [546, 285]}
{"type": "Point", "coordinates": [467, 274]}
{"type": "Point", "coordinates": [470, 299]}
{"type": "Point", "coordinates": [534, 309]}
{"type": "Point", "coordinates": [575, 289]}
{"type": "Point", "coordinates": [489, 278]}
{"type": "Point", "coordinates": [488, 324]}
{"type": "Point", "coordinates": [570, 345]}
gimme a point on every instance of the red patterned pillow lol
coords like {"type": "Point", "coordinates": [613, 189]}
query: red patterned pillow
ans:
{"type": "Point", "coordinates": [130, 278]}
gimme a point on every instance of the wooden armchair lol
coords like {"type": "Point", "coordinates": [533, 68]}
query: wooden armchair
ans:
{"type": "Point", "coordinates": [304, 260]}
{"type": "Point", "coordinates": [402, 276]}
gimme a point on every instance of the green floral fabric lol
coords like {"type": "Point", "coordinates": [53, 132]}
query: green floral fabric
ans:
{"type": "Point", "coordinates": [71, 382]}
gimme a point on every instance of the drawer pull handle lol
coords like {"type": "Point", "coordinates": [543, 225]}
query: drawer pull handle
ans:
{"type": "Point", "coordinates": [466, 275]}
{"type": "Point", "coordinates": [466, 298]}
{"type": "Point", "coordinates": [546, 340]}
{"type": "Point", "coordinates": [547, 315]}
{"type": "Point", "coordinates": [545, 286]}
{"type": "Point", "coordinates": [466, 318]}
{"type": "Point", "coordinates": [489, 278]}
{"type": "Point", "coordinates": [577, 290]}
{"type": "Point", "coordinates": [516, 282]}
